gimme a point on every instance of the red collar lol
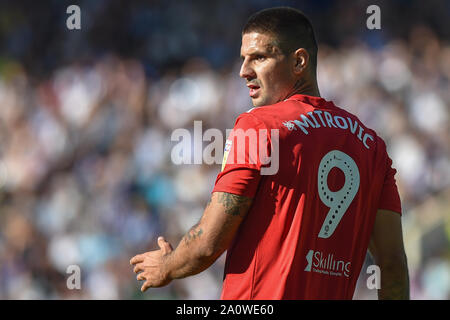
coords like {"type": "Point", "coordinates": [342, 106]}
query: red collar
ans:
{"type": "Point", "coordinates": [312, 100]}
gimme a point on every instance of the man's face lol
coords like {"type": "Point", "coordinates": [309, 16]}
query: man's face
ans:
{"type": "Point", "coordinates": [269, 73]}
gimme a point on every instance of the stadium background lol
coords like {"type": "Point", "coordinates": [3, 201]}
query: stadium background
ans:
{"type": "Point", "coordinates": [86, 117]}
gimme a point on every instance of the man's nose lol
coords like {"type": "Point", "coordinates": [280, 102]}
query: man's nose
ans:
{"type": "Point", "coordinates": [246, 71]}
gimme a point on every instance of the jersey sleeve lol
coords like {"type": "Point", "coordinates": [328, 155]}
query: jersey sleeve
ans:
{"type": "Point", "coordinates": [390, 199]}
{"type": "Point", "coordinates": [241, 165]}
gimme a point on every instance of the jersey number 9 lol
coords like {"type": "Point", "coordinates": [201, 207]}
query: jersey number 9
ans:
{"type": "Point", "coordinates": [340, 200]}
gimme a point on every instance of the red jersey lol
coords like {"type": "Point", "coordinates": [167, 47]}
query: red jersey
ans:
{"type": "Point", "coordinates": [307, 232]}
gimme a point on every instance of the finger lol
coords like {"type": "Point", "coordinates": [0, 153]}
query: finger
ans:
{"type": "Point", "coordinates": [137, 259]}
{"type": "Point", "coordinates": [138, 268]}
{"type": "Point", "coordinates": [140, 276]}
{"type": "Point", "coordinates": [164, 245]}
{"type": "Point", "coordinates": [146, 285]}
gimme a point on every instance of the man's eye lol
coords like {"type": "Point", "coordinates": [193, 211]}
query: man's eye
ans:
{"type": "Point", "coordinates": [260, 58]}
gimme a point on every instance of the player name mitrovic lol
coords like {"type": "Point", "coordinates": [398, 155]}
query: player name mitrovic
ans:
{"type": "Point", "coordinates": [330, 122]}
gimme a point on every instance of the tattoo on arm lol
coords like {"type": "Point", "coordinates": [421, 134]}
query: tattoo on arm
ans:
{"type": "Point", "coordinates": [209, 202]}
{"type": "Point", "coordinates": [193, 233]}
{"type": "Point", "coordinates": [234, 205]}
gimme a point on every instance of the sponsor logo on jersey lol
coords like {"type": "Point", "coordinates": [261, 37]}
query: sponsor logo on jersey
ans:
{"type": "Point", "coordinates": [226, 152]}
{"type": "Point", "coordinates": [327, 264]}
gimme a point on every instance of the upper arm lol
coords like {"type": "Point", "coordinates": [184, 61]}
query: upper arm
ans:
{"type": "Point", "coordinates": [389, 198]}
{"type": "Point", "coordinates": [386, 242]}
{"type": "Point", "coordinates": [221, 219]}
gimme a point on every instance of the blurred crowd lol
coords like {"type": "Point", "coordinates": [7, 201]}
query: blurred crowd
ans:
{"type": "Point", "coordinates": [86, 176]}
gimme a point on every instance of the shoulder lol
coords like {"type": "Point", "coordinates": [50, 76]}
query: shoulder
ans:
{"type": "Point", "coordinates": [268, 114]}
{"type": "Point", "coordinates": [251, 118]}
{"type": "Point", "coordinates": [270, 109]}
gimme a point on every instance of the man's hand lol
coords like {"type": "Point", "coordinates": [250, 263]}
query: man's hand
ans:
{"type": "Point", "coordinates": [199, 247]}
{"type": "Point", "coordinates": [151, 266]}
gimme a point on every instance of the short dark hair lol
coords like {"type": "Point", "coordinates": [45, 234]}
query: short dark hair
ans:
{"type": "Point", "coordinates": [290, 28]}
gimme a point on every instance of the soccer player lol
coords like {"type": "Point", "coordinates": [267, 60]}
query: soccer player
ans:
{"type": "Point", "coordinates": [301, 231]}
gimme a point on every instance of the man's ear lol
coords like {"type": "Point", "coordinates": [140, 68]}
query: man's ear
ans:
{"type": "Point", "coordinates": [301, 58]}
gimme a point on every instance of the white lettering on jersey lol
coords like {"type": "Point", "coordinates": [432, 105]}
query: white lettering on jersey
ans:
{"type": "Point", "coordinates": [309, 121]}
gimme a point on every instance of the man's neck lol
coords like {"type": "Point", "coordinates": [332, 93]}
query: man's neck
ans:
{"type": "Point", "coordinates": [308, 88]}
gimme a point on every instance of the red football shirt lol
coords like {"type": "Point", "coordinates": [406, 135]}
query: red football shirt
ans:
{"type": "Point", "coordinates": [308, 229]}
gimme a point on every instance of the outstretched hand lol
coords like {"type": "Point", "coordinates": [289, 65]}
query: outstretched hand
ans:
{"type": "Point", "coordinates": [151, 267]}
